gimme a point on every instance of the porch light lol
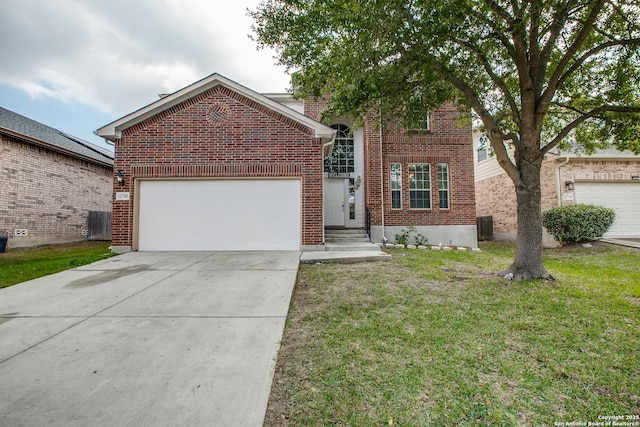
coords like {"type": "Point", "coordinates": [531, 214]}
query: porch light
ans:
{"type": "Point", "coordinates": [120, 177]}
{"type": "Point", "coordinates": [570, 185]}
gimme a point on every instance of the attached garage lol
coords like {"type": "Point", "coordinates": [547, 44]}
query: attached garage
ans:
{"type": "Point", "coordinates": [623, 197]}
{"type": "Point", "coordinates": [219, 214]}
{"type": "Point", "coordinates": [217, 166]}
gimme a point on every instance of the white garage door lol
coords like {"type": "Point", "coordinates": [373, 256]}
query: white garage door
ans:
{"type": "Point", "coordinates": [199, 215]}
{"type": "Point", "coordinates": [623, 197]}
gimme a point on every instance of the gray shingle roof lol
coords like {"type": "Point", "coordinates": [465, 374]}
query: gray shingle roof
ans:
{"type": "Point", "coordinates": [52, 137]}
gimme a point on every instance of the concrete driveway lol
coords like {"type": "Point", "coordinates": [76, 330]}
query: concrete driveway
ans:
{"type": "Point", "coordinates": [146, 339]}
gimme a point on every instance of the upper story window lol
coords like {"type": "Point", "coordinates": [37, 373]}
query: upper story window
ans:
{"type": "Point", "coordinates": [423, 124]}
{"type": "Point", "coordinates": [482, 147]}
{"type": "Point", "coordinates": [341, 159]}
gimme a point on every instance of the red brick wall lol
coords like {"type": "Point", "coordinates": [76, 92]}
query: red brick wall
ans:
{"type": "Point", "coordinates": [497, 196]}
{"type": "Point", "coordinates": [48, 194]}
{"type": "Point", "coordinates": [220, 133]}
{"type": "Point", "coordinates": [447, 141]}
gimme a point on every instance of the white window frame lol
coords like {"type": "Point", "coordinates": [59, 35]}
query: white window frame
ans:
{"type": "Point", "coordinates": [443, 169]}
{"type": "Point", "coordinates": [395, 177]}
{"type": "Point", "coordinates": [483, 147]}
{"type": "Point", "coordinates": [420, 182]}
{"type": "Point", "coordinates": [423, 125]}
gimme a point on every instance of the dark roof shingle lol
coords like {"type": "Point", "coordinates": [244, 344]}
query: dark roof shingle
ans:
{"type": "Point", "coordinates": [52, 137]}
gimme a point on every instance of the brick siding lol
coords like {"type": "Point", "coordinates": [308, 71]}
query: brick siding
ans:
{"type": "Point", "coordinates": [47, 193]}
{"type": "Point", "coordinates": [445, 142]}
{"type": "Point", "coordinates": [497, 198]}
{"type": "Point", "coordinates": [220, 134]}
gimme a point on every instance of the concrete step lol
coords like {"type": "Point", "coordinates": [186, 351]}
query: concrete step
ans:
{"type": "Point", "coordinates": [343, 257]}
{"type": "Point", "coordinates": [338, 239]}
{"type": "Point", "coordinates": [346, 234]}
{"type": "Point", "coordinates": [351, 246]}
{"type": "Point", "coordinates": [345, 231]}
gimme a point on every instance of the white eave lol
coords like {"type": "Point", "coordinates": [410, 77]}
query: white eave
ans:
{"type": "Point", "coordinates": [114, 129]}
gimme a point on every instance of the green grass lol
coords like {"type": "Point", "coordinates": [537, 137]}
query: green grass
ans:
{"type": "Point", "coordinates": [20, 265]}
{"type": "Point", "coordinates": [439, 339]}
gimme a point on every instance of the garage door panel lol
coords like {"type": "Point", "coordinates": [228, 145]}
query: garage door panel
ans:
{"type": "Point", "coordinates": [624, 198]}
{"type": "Point", "coordinates": [219, 215]}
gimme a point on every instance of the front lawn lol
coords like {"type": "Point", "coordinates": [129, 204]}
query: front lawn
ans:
{"type": "Point", "coordinates": [437, 338]}
{"type": "Point", "coordinates": [22, 264]}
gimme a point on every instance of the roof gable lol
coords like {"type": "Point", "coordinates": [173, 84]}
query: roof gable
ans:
{"type": "Point", "coordinates": [33, 132]}
{"type": "Point", "coordinates": [114, 129]}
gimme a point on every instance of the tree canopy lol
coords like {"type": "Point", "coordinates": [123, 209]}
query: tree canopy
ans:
{"type": "Point", "coordinates": [538, 73]}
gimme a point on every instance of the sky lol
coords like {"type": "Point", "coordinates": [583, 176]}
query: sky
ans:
{"type": "Point", "coordinates": [77, 65]}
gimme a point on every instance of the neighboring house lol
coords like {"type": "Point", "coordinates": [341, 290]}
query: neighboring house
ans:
{"type": "Point", "coordinates": [607, 178]}
{"type": "Point", "coordinates": [217, 166]}
{"type": "Point", "coordinates": [50, 181]}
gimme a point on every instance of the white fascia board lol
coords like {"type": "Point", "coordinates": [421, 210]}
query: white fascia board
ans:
{"type": "Point", "coordinates": [114, 129]}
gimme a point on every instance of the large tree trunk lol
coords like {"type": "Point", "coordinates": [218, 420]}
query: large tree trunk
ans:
{"type": "Point", "coordinates": [528, 261]}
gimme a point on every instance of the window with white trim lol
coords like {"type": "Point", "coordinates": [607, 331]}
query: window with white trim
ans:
{"type": "Point", "coordinates": [482, 147]}
{"type": "Point", "coordinates": [396, 185]}
{"type": "Point", "coordinates": [424, 124]}
{"type": "Point", "coordinates": [341, 159]}
{"type": "Point", "coordinates": [419, 186]}
{"type": "Point", "coordinates": [443, 185]}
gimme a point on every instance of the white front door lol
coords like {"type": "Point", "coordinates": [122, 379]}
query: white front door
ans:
{"type": "Point", "coordinates": [335, 193]}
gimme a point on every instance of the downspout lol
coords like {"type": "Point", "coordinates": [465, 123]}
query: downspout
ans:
{"type": "Point", "coordinates": [558, 185]}
{"type": "Point", "coordinates": [384, 238]}
{"type": "Point", "coordinates": [324, 146]}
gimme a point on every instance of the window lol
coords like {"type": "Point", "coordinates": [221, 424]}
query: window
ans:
{"type": "Point", "coordinates": [396, 186]}
{"type": "Point", "coordinates": [422, 123]}
{"type": "Point", "coordinates": [420, 186]}
{"type": "Point", "coordinates": [425, 123]}
{"type": "Point", "coordinates": [482, 147]}
{"type": "Point", "coordinates": [443, 185]}
{"type": "Point", "coordinates": [341, 158]}
{"type": "Point", "coordinates": [352, 198]}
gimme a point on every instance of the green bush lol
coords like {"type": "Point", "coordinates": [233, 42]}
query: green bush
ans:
{"type": "Point", "coordinates": [404, 238]}
{"type": "Point", "coordinates": [578, 223]}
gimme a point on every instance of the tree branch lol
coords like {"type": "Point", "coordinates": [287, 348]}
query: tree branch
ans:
{"type": "Point", "coordinates": [534, 33]}
{"type": "Point", "coordinates": [592, 52]}
{"type": "Point", "coordinates": [579, 120]}
{"type": "Point", "coordinates": [562, 64]}
{"type": "Point", "coordinates": [499, 82]}
{"type": "Point", "coordinates": [555, 28]}
{"type": "Point", "coordinates": [490, 124]}
{"type": "Point", "coordinates": [519, 50]}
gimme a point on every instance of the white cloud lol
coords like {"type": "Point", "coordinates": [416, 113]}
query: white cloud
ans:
{"type": "Point", "coordinates": [116, 56]}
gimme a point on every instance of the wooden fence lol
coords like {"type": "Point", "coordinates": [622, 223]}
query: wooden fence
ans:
{"type": "Point", "coordinates": [99, 225]}
{"type": "Point", "coordinates": [485, 227]}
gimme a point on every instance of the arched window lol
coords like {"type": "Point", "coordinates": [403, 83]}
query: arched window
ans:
{"type": "Point", "coordinates": [341, 158]}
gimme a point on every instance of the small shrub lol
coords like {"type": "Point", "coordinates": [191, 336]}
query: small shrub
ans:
{"type": "Point", "coordinates": [405, 237]}
{"type": "Point", "coordinates": [578, 223]}
{"type": "Point", "coordinates": [420, 239]}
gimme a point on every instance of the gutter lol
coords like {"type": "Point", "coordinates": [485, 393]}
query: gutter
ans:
{"type": "Point", "coordinates": [324, 147]}
{"type": "Point", "coordinates": [384, 238]}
